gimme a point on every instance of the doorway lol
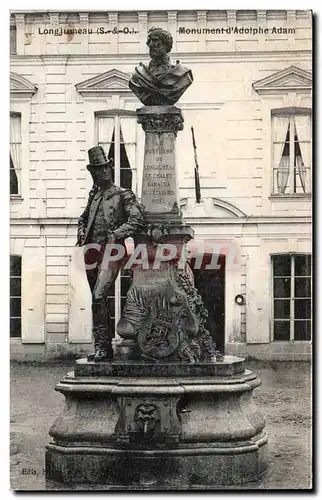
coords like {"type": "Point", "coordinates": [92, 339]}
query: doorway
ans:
{"type": "Point", "coordinates": [210, 283]}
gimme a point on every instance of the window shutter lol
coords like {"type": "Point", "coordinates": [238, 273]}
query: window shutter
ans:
{"type": "Point", "coordinates": [33, 291]}
{"type": "Point", "coordinates": [80, 314]}
{"type": "Point", "coordinates": [257, 299]}
{"type": "Point", "coordinates": [140, 136]}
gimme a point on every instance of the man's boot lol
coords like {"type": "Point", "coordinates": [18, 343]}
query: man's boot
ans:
{"type": "Point", "coordinates": [102, 340]}
{"type": "Point", "coordinates": [103, 346]}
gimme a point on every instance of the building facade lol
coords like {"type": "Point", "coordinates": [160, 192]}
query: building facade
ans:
{"type": "Point", "coordinates": [251, 109]}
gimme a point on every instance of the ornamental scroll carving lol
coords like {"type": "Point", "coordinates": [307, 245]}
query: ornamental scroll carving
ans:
{"type": "Point", "coordinates": [152, 120]}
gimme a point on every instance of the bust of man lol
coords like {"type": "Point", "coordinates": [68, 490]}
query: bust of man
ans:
{"type": "Point", "coordinates": [161, 82]}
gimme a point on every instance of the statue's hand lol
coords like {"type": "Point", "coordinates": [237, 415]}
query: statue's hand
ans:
{"type": "Point", "coordinates": [111, 238]}
{"type": "Point", "coordinates": [79, 243]}
{"type": "Point", "coordinates": [80, 238]}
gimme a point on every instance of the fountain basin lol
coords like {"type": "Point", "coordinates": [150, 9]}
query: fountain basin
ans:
{"type": "Point", "coordinates": [124, 423]}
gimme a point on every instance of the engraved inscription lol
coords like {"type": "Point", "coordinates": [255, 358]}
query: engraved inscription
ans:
{"type": "Point", "coordinates": [159, 178]}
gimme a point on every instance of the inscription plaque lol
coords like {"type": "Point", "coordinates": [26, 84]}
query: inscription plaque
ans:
{"type": "Point", "coordinates": [159, 188]}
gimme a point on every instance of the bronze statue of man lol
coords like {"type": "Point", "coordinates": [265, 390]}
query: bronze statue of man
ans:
{"type": "Point", "coordinates": [111, 215]}
{"type": "Point", "coordinates": [162, 82]}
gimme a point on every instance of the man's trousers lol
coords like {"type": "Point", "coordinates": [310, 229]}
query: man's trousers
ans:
{"type": "Point", "coordinates": [100, 281]}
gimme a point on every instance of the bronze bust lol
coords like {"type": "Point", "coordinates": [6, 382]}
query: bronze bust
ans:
{"type": "Point", "coordinates": [161, 82]}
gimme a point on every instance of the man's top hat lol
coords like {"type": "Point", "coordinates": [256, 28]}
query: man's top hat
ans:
{"type": "Point", "coordinates": [97, 158]}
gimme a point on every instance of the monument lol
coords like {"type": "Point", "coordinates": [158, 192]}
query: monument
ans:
{"type": "Point", "coordinates": [165, 412]}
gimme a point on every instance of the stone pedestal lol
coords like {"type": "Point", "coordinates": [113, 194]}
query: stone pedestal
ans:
{"type": "Point", "coordinates": [160, 194]}
{"type": "Point", "coordinates": [158, 426]}
{"type": "Point", "coordinates": [161, 312]}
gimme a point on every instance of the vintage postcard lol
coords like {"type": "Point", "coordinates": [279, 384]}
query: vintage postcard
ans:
{"type": "Point", "coordinates": [160, 250]}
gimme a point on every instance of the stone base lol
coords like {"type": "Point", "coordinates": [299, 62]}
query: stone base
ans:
{"type": "Point", "coordinates": [127, 430]}
{"type": "Point", "coordinates": [182, 467]}
{"type": "Point", "coordinates": [229, 365]}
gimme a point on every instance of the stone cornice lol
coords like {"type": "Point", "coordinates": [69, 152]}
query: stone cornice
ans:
{"type": "Point", "coordinates": [21, 87]}
{"type": "Point", "coordinates": [207, 220]}
{"type": "Point", "coordinates": [190, 11]}
{"type": "Point", "coordinates": [185, 57]}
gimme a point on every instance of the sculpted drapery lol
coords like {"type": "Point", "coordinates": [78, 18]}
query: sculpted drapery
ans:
{"type": "Point", "coordinates": [166, 88]}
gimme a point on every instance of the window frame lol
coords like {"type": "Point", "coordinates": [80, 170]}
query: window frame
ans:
{"type": "Point", "coordinates": [16, 337]}
{"type": "Point", "coordinates": [17, 169]}
{"type": "Point", "coordinates": [116, 114]}
{"type": "Point", "coordinates": [20, 202]}
{"type": "Point", "coordinates": [292, 297]}
{"type": "Point", "coordinates": [289, 112]}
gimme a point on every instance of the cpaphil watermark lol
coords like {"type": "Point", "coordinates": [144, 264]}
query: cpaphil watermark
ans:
{"type": "Point", "coordinates": [204, 255]}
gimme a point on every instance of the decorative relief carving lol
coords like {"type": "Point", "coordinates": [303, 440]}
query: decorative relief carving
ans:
{"type": "Point", "coordinates": [20, 19]}
{"type": "Point", "coordinates": [158, 232]}
{"type": "Point", "coordinates": [158, 338]}
{"type": "Point", "coordinates": [172, 16]}
{"type": "Point", "coordinates": [160, 319]}
{"type": "Point", "coordinates": [202, 16]}
{"type": "Point", "coordinates": [113, 17]}
{"type": "Point", "coordinates": [147, 418]}
{"type": "Point", "coordinates": [291, 16]}
{"type": "Point", "coordinates": [161, 122]}
{"type": "Point", "coordinates": [175, 208]}
{"type": "Point", "coordinates": [54, 19]}
{"type": "Point", "coordinates": [83, 18]}
{"type": "Point", "coordinates": [168, 320]}
{"type": "Point", "coordinates": [204, 344]}
{"type": "Point", "coordinates": [231, 17]}
{"type": "Point", "coordinates": [261, 17]}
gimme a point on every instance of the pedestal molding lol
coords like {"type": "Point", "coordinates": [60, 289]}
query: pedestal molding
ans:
{"type": "Point", "coordinates": [180, 450]}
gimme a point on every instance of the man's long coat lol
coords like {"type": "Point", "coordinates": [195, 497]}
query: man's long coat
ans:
{"type": "Point", "coordinates": [122, 213]}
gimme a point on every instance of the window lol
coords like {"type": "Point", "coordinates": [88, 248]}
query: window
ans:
{"type": "Point", "coordinates": [13, 36]}
{"type": "Point", "coordinates": [125, 169]}
{"type": "Point", "coordinates": [15, 296]}
{"type": "Point", "coordinates": [15, 152]}
{"type": "Point", "coordinates": [117, 135]}
{"type": "Point", "coordinates": [291, 152]}
{"type": "Point", "coordinates": [291, 297]}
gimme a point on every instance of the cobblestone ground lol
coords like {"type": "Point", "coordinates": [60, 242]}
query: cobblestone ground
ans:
{"type": "Point", "coordinates": [284, 399]}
